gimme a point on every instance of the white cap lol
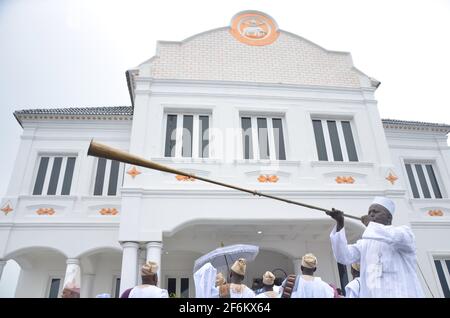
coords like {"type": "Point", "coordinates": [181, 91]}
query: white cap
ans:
{"type": "Point", "coordinates": [387, 203]}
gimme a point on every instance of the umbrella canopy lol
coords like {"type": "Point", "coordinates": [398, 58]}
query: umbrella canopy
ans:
{"type": "Point", "coordinates": [224, 257]}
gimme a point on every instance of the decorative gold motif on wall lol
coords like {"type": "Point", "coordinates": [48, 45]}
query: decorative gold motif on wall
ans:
{"type": "Point", "coordinates": [133, 172]}
{"type": "Point", "coordinates": [435, 213]}
{"type": "Point", "coordinates": [391, 178]}
{"type": "Point", "coordinates": [7, 208]}
{"type": "Point", "coordinates": [268, 178]}
{"type": "Point", "coordinates": [348, 180]}
{"type": "Point", "coordinates": [108, 211]}
{"type": "Point", "coordinates": [184, 178]}
{"type": "Point", "coordinates": [254, 28]}
{"type": "Point", "coordinates": [45, 211]}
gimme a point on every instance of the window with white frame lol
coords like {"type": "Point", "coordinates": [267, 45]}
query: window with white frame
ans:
{"type": "Point", "coordinates": [334, 140]}
{"type": "Point", "coordinates": [54, 287]}
{"type": "Point", "coordinates": [108, 175]}
{"type": "Point", "coordinates": [423, 181]}
{"type": "Point", "coordinates": [443, 271]}
{"type": "Point", "coordinates": [263, 138]}
{"type": "Point", "coordinates": [187, 135]}
{"type": "Point", "coordinates": [54, 175]}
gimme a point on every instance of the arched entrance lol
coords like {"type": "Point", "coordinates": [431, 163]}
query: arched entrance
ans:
{"type": "Point", "coordinates": [42, 271]}
{"type": "Point", "coordinates": [100, 272]}
{"type": "Point", "coordinates": [268, 260]}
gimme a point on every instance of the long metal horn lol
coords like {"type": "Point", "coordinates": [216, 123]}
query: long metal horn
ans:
{"type": "Point", "coordinates": [103, 151]}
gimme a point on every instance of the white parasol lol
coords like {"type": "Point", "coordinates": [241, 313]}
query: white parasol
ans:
{"type": "Point", "coordinates": [224, 257]}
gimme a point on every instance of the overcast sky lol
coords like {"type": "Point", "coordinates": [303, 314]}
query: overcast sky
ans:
{"type": "Point", "coordinates": [57, 53]}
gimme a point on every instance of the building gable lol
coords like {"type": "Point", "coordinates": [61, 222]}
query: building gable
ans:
{"type": "Point", "coordinates": [217, 55]}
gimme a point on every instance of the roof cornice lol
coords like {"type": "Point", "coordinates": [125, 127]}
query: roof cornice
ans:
{"type": "Point", "coordinates": [113, 113]}
{"type": "Point", "coordinates": [73, 117]}
{"type": "Point", "coordinates": [403, 125]}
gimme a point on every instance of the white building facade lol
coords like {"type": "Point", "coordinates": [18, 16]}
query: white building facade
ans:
{"type": "Point", "coordinates": [249, 105]}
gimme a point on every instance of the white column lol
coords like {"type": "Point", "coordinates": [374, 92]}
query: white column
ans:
{"type": "Point", "coordinates": [87, 282]}
{"type": "Point", "coordinates": [129, 265]}
{"type": "Point", "coordinates": [74, 261]}
{"type": "Point", "coordinates": [73, 273]}
{"type": "Point", "coordinates": [154, 250]}
{"type": "Point", "coordinates": [2, 266]}
{"type": "Point", "coordinates": [297, 263]}
{"type": "Point", "coordinates": [141, 262]}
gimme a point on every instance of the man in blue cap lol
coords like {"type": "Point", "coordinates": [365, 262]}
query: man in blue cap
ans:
{"type": "Point", "coordinates": [387, 254]}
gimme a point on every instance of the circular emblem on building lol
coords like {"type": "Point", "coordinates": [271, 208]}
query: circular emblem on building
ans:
{"type": "Point", "coordinates": [254, 28]}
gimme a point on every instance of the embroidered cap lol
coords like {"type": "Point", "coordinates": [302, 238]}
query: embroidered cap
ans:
{"type": "Point", "coordinates": [239, 266]}
{"type": "Point", "coordinates": [149, 268]}
{"type": "Point", "coordinates": [309, 261]}
{"type": "Point", "coordinates": [268, 278]}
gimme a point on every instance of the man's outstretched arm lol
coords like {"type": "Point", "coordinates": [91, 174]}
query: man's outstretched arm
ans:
{"type": "Point", "coordinates": [344, 253]}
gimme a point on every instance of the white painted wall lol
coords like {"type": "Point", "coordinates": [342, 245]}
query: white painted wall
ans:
{"type": "Point", "coordinates": [107, 267]}
{"type": "Point", "coordinates": [77, 216]}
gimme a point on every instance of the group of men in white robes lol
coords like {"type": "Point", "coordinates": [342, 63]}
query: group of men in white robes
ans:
{"type": "Point", "coordinates": [210, 284]}
{"type": "Point", "coordinates": [383, 265]}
